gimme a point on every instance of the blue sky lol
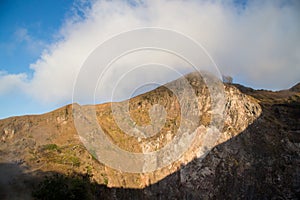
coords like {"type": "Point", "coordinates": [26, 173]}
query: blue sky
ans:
{"type": "Point", "coordinates": [27, 23]}
{"type": "Point", "coordinates": [25, 32]}
{"type": "Point", "coordinates": [34, 35]}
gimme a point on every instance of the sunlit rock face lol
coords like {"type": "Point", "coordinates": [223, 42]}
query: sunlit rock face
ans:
{"type": "Point", "coordinates": [183, 117]}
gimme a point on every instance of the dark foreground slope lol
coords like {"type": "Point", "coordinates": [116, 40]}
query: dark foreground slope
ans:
{"type": "Point", "coordinates": [258, 156]}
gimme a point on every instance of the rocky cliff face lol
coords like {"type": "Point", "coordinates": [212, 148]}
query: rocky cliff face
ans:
{"type": "Point", "coordinates": [256, 153]}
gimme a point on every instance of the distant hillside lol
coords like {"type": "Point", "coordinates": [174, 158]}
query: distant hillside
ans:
{"type": "Point", "coordinates": [257, 155]}
{"type": "Point", "coordinates": [295, 88]}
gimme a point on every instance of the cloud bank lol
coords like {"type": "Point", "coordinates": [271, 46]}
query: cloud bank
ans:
{"type": "Point", "coordinates": [258, 44]}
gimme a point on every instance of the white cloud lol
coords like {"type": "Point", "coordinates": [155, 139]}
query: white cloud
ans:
{"type": "Point", "coordinates": [21, 35]}
{"type": "Point", "coordinates": [32, 45]}
{"type": "Point", "coordinates": [258, 45]}
{"type": "Point", "coordinates": [12, 82]}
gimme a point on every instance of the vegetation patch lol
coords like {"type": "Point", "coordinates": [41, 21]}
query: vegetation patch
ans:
{"type": "Point", "coordinates": [50, 147]}
{"type": "Point", "coordinates": [93, 154]}
{"type": "Point", "coordinates": [75, 186]}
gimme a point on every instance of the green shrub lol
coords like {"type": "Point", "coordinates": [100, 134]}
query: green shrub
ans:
{"type": "Point", "coordinates": [93, 154]}
{"type": "Point", "coordinates": [75, 161]}
{"type": "Point", "coordinates": [105, 180]}
{"type": "Point", "coordinates": [60, 187]}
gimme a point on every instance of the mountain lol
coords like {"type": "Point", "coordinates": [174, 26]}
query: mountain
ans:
{"type": "Point", "coordinates": [246, 146]}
